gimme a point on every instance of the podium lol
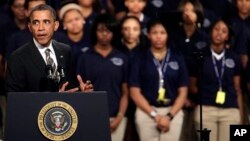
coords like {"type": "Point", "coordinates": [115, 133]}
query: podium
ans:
{"type": "Point", "coordinates": [57, 116]}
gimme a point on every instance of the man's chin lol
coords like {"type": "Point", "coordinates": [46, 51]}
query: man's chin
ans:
{"type": "Point", "coordinates": [43, 43]}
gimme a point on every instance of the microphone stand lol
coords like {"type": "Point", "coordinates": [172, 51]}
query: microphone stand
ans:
{"type": "Point", "coordinates": [55, 79]}
{"type": "Point", "coordinates": [61, 75]}
{"type": "Point", "coordinates": [204, 133]}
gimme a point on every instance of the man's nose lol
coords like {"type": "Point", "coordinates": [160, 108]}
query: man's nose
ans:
{"type": "Point", "coordinates": [41, 26]}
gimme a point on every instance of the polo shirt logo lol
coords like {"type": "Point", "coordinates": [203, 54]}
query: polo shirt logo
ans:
{"type": "Point", "coordinates": [84, 49]}
{"type": "Point", "coordinates": [117, 61]}
{"type": "Point", "coordinates": [206, 23]}
{"type": "Point", "coordinates": [174, 65]}
{"type": "Point", "coordinates": [230, 63]}
{"type": "Point", "coordinates": [157, 3]}
{"type": "Point", "coordinates": [200, 45]}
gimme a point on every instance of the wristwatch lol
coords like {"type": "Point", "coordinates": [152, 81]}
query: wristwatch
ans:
{"type": "Point", "coordinates": [170, 115]}
{"type": "Point", "coordinates": [153, 114]}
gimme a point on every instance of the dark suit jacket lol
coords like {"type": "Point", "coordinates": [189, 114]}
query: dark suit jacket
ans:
{"type": "Point", "coordinates": [26, 69]}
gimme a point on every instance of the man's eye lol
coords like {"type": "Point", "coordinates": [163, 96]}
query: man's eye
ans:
{"type": "Point", "coordinates": [35, 22]}
{"type": "Point", "coordinates": [47, 22]}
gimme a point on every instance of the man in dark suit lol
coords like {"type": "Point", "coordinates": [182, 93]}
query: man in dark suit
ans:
{"type": "Point", "coordinates": [42, 64]}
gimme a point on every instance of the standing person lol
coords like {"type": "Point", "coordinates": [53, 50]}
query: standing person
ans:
{"type": "Point", "coordinates": [131, 44]}
{"type": "Point", "coordinates": [218, 83]}
{"type": "Point", "coordinates": [41, 64]}
{"type": "Point", "coordinates": [189, 38]}
{"type": "Point", "coordinates": [131, 41]}
{"type": "Point", "coordinates": [241, 26]}
{"type": "Point", "coordinates": [158, 86]}
{"type": "Point", "coordinates": [90, 10]}
{"type": "Point", "coordinates": [73, 24]}
{"type": "Point", "coordinates": [15, 24]}
{"type": "Point", "coordinates": [135, 8]}
{"type": "Point", "coordinates": [106, 68]}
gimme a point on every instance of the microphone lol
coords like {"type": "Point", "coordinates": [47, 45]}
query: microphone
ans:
{"type": "Point", "coordinates": [49, 72]}
{"type": "Point", "coordinates": [61, 71]}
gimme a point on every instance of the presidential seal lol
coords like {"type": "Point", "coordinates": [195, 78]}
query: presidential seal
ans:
{"type": "Point", "coordinates": [57, 121]}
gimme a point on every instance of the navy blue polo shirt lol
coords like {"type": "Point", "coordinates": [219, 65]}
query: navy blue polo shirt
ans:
{"type": "Point", "coordinates": [209, 18]}
{"type": "Point", "coordinates": [144, 74]}
{"type": "Point", "coordinates": [119, 6]}
{"type": "Point", "coordinates": [7, 31]}
{"type": "Point", "coordinates": [77, 47]}
{"type": "Point", "coordinates": [209, 83]}
{"type": "Point", "coordinates": [131, 54]}
{"type": "Point", "coordinates": [221, 8]}
{"type": "Point", "coordinates": [106, 74]}
{"type": "Point", "coordinates": [4, 15]}
{"type": "Point", "coordinates": [241, 29]}
{"type": "Point", "coordinates": [190, 47]}
{"type": "Point", "coordinates": [88, 23]}
{"type": "Point", "coordinates": [155, 7]}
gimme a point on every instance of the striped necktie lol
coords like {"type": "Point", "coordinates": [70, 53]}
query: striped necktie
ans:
{"type": "Point", "coordinates": [50, 61]}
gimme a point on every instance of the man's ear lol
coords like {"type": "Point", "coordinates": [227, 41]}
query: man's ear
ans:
{"type": "Point", "coordinates": [125, 3]}
{"type": "Point", "coordinates": [56, 25]}
{"type": "Point", "coordinates": [29, 26]}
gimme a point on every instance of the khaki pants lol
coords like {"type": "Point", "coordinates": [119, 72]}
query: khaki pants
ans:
{"type": "Point", "coordinates": [147, 128]}
{"type": "Point", "coordinates": [218, 120]}
{"type": "Point", "coordinates": [118, 134]}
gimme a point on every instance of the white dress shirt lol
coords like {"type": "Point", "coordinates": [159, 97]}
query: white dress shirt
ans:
{"type": "Point", "coordinates": [42, 51]}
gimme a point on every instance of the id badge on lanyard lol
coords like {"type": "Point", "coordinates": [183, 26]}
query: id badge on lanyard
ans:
{"type": "Point", "coordinates": [161, 68]}
{"type": "Point", "coordinates": [220, 95]}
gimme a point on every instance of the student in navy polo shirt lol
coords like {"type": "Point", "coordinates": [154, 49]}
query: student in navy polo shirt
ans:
{"type": "Point", "coordinates": [132, 41]}
{"type": "Point", "coordinates": [135, 8]}
{"type": "Point", "coordinates": [106, 68]}
{"type": "Point", "coordinates": [220, 8]}
{"type": "Point", "coordinates": [90, 10]}
{"type": "Point", "coordinates": [158, 85]}
{"type": "Point", "coordinates": [241, 27]}
{"type": "Point", "coordinates": [155, 7]}
{"type": "Point", "coordinates": [16, 23]}
{"type": "Point", "coordinates": [73, 23]}
{"type": "Point", "coordinates": [218, 82]}
{"type": "Point", "coordinates": [188, 37]}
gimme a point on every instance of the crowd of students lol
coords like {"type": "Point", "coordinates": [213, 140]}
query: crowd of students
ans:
{"type": "Point", "coordinates": [153, 57]}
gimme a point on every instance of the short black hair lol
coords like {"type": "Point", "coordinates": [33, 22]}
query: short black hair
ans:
{"type": "Point", "coordinates": [26, 4]}
{"type": "Point", "coordinates": [156, 21]}
{"type": "Point", "coordinates": [43, 7]}
{"type": "Point", "coordinates": [108, 21]}
{"type": "Point", "coordinates": [128, 18]}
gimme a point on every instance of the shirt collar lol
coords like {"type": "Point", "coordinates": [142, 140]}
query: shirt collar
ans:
{"type": "Point", "coordinates": [216, 55]}
{"type": "Point", "coordinates": [42, 48]}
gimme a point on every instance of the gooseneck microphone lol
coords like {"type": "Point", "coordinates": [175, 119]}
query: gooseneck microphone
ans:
{"type": "Point", "coordinates": [49, 72]}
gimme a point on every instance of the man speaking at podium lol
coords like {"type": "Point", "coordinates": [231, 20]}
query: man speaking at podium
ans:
{"type": "Point", "coordinates": [42, 64]}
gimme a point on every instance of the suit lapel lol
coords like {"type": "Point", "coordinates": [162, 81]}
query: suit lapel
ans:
{"type": "Point", "coordinates": [59, 54]}
{"type": "Point", "coordinates": [37, 58]}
